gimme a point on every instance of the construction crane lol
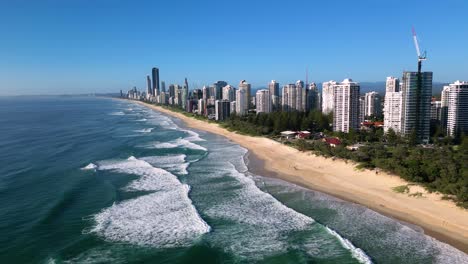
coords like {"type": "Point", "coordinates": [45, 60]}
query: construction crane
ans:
{"type": "Point", "coordinates": [421, 57]}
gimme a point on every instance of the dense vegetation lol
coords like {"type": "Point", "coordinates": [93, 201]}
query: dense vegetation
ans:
{"type": "Point", "coordinates": [442, 167]}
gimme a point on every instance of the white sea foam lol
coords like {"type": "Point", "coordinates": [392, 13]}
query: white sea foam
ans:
{"type": "Point", "coordinates": [178, 143]}
{"type": "Point", "coordinates": [90, 166]}
{"type": "Point", "coordinates": [119, 113]}
{"type": "Point", "coordinates": [145, 130]}
{"type": "Point", "coordinates": [173, 163]}
{"type": "Point", "coordinates": [356, 252]}
{"type": "Point", "coordinates": [166, 218]}
{"type": "Point", "coordinates": [193, 136]}
{"type": "Point", "coordinates": [142, 120]}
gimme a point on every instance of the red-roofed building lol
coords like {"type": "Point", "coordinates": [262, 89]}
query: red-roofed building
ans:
{"type": "Point", "coordinates": [333, 142]}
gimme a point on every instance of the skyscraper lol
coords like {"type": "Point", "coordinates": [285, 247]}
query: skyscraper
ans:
{"type": "Point", "coordinates": [392, 105]}
{"type": "Point", "coordinates": [149, 90]}
{"type": "Point", "coordinates": [172, 90]}
{"type": "Point", "coordinates": [241, 101]}
{"type": "Point", "coordinates": [299, 95]}
{"type": "Point", "coordinates": [273, 86]}
{"type": "Point", "coordinates": [218, 89]}
{"type": "Point", "coordinates": [327, 96]}
{"type": "Point", "coordinates": [247, 87]}
{"type": "Point", "coordinates": [311, 98]}
{"type": "Point", "coordinates": [163, 87]}
{"type": "Point", "coordinates": [372, 104]}
{"type": "Point", "coordinates": [222, 109]}
{"type": "Point", "coordinates": [229, 93]}
{"type": "Point", "coordinates": [346, 106]}
{"type": "Point", "coordinates": [155, 73]}
{"type": "Point", "coordinates": [416, 108]}
{"type": "Point", "coordinates": [206, 93]}
{"type": "Point", "coordinates": [457, 116]}
{"type": "Point", "coordinates": [263, 101]}
{"type": "Point", "coordinates": [289, 97]}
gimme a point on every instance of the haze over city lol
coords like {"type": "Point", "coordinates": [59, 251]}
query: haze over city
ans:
{"type": "Point", "coordinates": [63, 47]}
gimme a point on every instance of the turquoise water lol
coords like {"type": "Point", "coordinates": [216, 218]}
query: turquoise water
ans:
{"type": "Point", "coordinates": [91, 180]}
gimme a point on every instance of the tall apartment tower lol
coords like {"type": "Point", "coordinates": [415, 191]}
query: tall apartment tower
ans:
{"type": "Point", "coordinates": [163, 87]}
{"type": "Point", "coordinates": [218, 89]}
{"type": "Point", "coordinates": [416, 107]}
{"type": "Point", "coordinates": [372, 104]}
{"type": "Point", "coordinates": [299, 95]}
{"type": "Point", "coordinates": [241, 101]}
{"type": "Point", "coordinates": [392, 105]}
{"type": "Point", "coordinates": [444, 104]}
{"type": "Point", "coordinates": [457, 112]}
{"type": "Point", "coordinates": [229, 93]}
{"type": "Point", "coordinates": [247, 87]}
{"type": "Point", "coordinates": [327, 96]}
{"type": "Point", "coordinates": [273, 87]}
{"type": "Point", "coordinates": [149, 90]}
{"type": "Point", "coordinates": [155, 73]}
{"type": "Point", "coordinates": [346, 106]}
{"type": "Point", "coordinates": [289, 97]}
{"type": "Point", "coordinates": [263, 101]}
{"type": "Point", "coordinates": [222, 109]}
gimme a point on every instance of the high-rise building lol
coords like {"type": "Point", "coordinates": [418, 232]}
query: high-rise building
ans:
{"type": "Point", "coordinates": [289, 97]}
{"type": "Point", "coordinates": [233, 107]}
{"type": "Point", "coordinates": [263, 101]}
{"type": "Point", "coordinates": [241, 101]}
{"type": "Point", "coordinates": [416, 108]}
{"type": "Point", "coordinates": [201, 106]}
{"type": "Point", "coordinates": [247, 87]}
{"type": "Point", "coordinates": [299, 95]}
{"type": "Point", "coordinates": [362, 108]}
{"type": "Point", "coordinates": [185, 94]}
{"type": "Point", "coordinates": [273, 86]}
{"type": "Point", "coordinates": [155, 73]}
{"type": "Point", "coordinates": [222, 109]}
{"type": "Point", "coordinates": [444, 107]}
{"type": "Point", "coordinates": [346, 106]}
{"type": "Point", "coordinates": [457, 114]}
{"type": "Point", "coordinates": [436, 110]}
{"type": "Point", "coordinates": [229, 93]}
{"type": "Point", "coordinates": [218, 89]}
{"type": "Point", "coordinates": [392, 105]}
{"type": "Point", "coordinates": [327, 96]}
{"type": "Point", "coordinates": [172, 91]}
{"type": "Point", "coordinates": [372, 104]}
{"type": "Point", "coordinates": [311, 98]}
{"type": "Point", "coordinates": [163, 87]}
{"type": "Point", "coordinates": [206, 92]}
{"type": "Point", "coordinates": [149, 90]}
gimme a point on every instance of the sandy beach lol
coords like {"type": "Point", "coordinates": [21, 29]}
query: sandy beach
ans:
{"type": "Point", "coordinates": [439, 218]}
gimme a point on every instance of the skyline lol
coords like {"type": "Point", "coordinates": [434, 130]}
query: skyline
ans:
{"type": "Point", "coordinates": [97, 47]}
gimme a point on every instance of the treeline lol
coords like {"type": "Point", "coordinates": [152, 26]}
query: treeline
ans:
{"type": "Point", "coordinates": [443, 167]}
{"type": "Point", "coordinates": [273, 123]}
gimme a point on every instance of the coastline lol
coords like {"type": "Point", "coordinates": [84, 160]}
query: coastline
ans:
{"type": "Point", "coordinates": [438, 218]}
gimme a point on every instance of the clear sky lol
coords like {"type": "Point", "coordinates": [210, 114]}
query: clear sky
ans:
{"type": "Point", "coordinates": [80, 46]}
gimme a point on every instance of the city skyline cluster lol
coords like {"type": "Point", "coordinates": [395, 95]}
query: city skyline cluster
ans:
{"type": "Point", "coordinates": [407, 107]}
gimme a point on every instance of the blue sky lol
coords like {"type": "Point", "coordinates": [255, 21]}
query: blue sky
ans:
{"type": "Point", "coordinates": [81, 46]}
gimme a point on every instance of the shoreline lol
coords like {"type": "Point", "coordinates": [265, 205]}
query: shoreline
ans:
{"type": "Point", "coordinates": [440, 219]}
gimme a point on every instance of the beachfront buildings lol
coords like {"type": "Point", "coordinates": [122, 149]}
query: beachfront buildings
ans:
{"type": "Point", "coordinates": [274, 89]}
{"type": "Point", "coordinates": [457, 110]}
{"type": "Point", "coordinates": [372, 104]}
{"type": "Point", "coordinates": [244, 85]}
{"type": "Point", "coordinates": [289, 97]}
{"type": "Point", "coordinates": [263, 101]}
{"type": "Point", "coordinates": [229, 93]}
{"type": "Point", "coordinates": [392, 105]}
{"type": "Point", "coordinates": [241, 101]}
{"type": "Point", "coordinates": [328, 96]}
{"type": "Point", "coordinates": [416, 105]}
{"type": "Point", "coordinates": [155, 73]}
{"type": "Point", "coordinates": [222, 109]}
{"type": "Point", "coordinates": [346, 106]}
{"type": "Point", "coordinates": [218, 89]}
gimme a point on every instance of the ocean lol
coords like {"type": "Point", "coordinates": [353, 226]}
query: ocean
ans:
{"type": "Point", "coordinates": [96, 180]}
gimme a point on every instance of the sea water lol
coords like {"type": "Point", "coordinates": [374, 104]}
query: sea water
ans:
{"type": "Point", "coordinates": [95, 180]}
